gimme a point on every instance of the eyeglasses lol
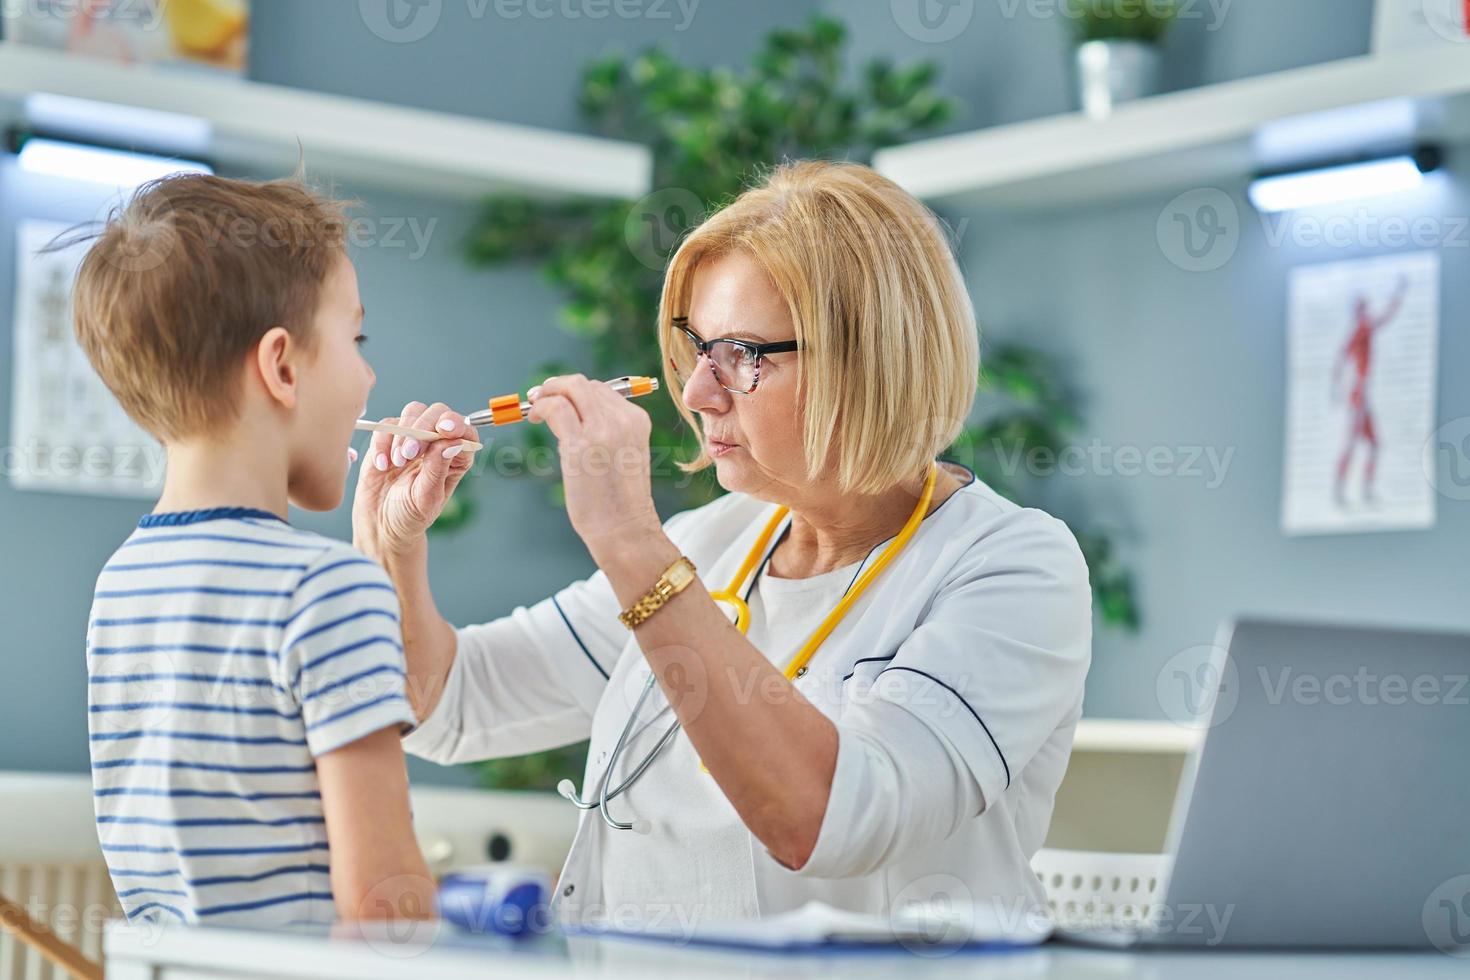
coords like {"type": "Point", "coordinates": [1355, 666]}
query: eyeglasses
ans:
{"type": "Point", "coordinates": [736, 364]}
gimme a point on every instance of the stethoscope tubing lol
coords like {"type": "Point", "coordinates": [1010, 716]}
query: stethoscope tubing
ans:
{"type": "Point", "coordinates": [604, 793]}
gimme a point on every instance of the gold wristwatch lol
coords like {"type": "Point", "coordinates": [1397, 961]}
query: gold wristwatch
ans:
{"type": "Point", "coordinates": [675, 579]}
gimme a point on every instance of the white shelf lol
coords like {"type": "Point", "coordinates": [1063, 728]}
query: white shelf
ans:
{"type": "Point", "coordinates": [1194, 137]}
{"type": "Point", "coordinates": [1143, 737]}
{"type": "Point", "coordinates": [268, 126]}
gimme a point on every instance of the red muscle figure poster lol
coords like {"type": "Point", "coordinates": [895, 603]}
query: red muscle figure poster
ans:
{"type": "Point", "coordinates": [1361, 384]}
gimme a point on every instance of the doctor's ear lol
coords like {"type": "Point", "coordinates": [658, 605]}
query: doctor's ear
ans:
{"type": "Point", "coordinates": [277, 361]}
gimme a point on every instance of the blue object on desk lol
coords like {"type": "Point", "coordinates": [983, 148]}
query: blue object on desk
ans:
{"type": "Point", "coordinates": [501, 899]}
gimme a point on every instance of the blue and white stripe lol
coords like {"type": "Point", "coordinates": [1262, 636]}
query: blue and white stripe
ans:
{"type": "Point", "coordinates": [227, 650]}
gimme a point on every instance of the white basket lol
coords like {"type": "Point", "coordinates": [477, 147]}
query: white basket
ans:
{"type": "Point", "coordinates": [1093, 889]}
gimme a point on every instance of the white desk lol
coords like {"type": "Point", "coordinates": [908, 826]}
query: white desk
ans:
{"type": "Point", "coordinates": [222, 954]}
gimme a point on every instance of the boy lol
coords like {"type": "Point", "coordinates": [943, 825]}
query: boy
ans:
{"type": "Point", "coordinates": [246, 692]}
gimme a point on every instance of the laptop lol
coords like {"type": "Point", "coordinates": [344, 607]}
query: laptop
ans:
{"type": "Point", "coordinates": [1328, 804]}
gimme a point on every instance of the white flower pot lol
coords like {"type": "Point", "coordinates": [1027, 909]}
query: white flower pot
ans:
{"type": "Point", "coordinates": [1113, 72]}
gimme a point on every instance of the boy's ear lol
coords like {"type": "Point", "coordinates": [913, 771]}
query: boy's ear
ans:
{"type": "Point", "coordinates": [276, 358]}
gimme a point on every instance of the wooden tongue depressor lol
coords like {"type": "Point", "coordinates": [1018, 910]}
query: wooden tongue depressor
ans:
{"type": "Point", "coordinates": [423, 435]}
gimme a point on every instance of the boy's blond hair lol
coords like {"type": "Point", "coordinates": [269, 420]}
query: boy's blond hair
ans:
{"type": "Point", "coordinates": [186, 277]}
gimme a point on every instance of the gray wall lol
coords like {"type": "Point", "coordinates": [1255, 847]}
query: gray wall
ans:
{"type": "Point", "coordinates": [1166, 358]}
{"type": "Point", "coordinates": [1009, 60]}
{"type": "Point", "coordinates": [1162, 357]}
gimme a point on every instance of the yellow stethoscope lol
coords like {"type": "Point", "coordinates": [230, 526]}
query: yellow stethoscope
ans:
{"type": "Point", "coordinates": [730, 596]}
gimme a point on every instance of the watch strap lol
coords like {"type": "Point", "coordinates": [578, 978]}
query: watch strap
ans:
{"type": "Point", "coordinates": [675, 579]}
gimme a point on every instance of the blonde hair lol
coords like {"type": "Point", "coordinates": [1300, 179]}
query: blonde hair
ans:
{"type": "Point", "coordinates": [183, 281]}
{"type": "Point", "coordinates": [890, 352]}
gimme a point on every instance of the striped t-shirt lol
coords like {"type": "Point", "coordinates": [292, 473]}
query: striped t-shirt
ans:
{"type": "Point", "coordinates": [227, 650]}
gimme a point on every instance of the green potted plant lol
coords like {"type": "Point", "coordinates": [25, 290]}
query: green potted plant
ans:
{"type": "Point", "coordinates": [1118, 56]}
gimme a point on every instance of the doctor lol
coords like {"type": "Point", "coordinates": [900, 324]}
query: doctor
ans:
{"type": "Point", "coordinates": [881, 707]}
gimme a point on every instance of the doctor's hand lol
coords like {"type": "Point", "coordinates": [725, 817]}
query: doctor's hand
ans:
{"type": "Point", "coordinates": [403, 484]}
{"type": "Point", "coordinates": [602, 439]}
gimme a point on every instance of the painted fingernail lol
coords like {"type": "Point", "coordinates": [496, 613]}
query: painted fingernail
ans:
{"type": "Point", "coordinates": [410, 448]}
{"type": "Point", "coordinates": [351, 455]}
{"type": "Point", "coordinates": [446, 425]}
{"type": "Point", "coordinates": [453, 451]}
{"type": "Point", "coordinates": [398, 459]}
{"type": "Point", "coordinates": [381, 463]}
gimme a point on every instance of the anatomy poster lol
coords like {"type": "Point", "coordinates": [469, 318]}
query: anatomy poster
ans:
{"type": "Point", "coordinates": [67, 431]}
{"type": "Point", "coordinates": [1400, 24]}
{"type": "Point", "coordinates": [1362, 350]}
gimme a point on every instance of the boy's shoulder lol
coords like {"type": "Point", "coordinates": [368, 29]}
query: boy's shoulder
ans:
{"type": "Point", "coordinates": [303, 565]}
{"type": "Point", "coordinates": [332, 555]}
{"type": "Point", "coordinates": [227, 528]}
{"type": "Point", "coordinates": [338, 580]}
{"type": "Point", "coordinates": [331, 574]}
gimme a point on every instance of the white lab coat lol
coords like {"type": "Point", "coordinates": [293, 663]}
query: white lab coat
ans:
{"type": "Point", "coordinates": [979, 633]}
